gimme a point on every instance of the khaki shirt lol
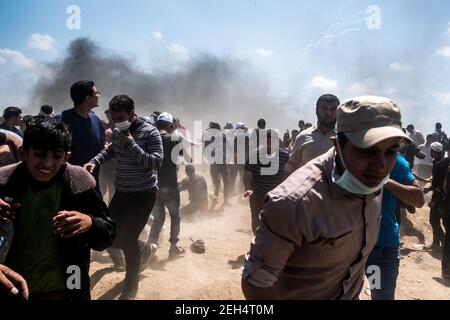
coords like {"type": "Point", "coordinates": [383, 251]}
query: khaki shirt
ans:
{"type": "Point", "coordinates": [308, 145]}
{"type": "Point", "coordinates": [314, 237]}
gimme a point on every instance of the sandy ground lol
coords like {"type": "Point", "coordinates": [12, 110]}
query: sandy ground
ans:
{"type": "Point", "coordinates": [216, 274]}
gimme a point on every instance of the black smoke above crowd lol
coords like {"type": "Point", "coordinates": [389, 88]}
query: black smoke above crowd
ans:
{"type": "Point", "coordinates": [206, 88]}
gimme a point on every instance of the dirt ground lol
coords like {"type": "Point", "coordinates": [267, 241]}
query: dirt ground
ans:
{"type": "Point", "coordinates": [227, 234]}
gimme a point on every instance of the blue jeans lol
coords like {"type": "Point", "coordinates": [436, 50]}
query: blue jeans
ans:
{"type": "Point", "coordinates": [388, 261]}
{"type": "Point", "coordinates": [166, 197]}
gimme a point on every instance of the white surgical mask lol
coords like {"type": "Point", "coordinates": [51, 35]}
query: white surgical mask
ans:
{"type": "Point", "coordinates": [123, 126]}
{"type": "Point", "coordinates": [350, 183]}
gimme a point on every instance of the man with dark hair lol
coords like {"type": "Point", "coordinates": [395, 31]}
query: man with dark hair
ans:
{"type": "Point", "coordinates": [168, 194]}
{"type": "Point", "coordinates": [13, 120]}
{"type": "Point", "coordinates": [401, 186]}
{"type": "Point", "coordinates": [425, 165]}
{"type": "Point", "coordinates": [315, 141]}
{"type": "Point", "coordinates": [257, 182]}
{"type": "Point", "coordinates": [215, 151]}
{"type": "Point", "coordinates": [411, 151]}
{"type": "Point", "coordinates": [318, 227]}
{"type": "Point", "coordinates": [442, 201]}
{"type": "Point", "coordinates": [46, 110]}
{"type": "Point", "coordinates": [440, 136]}
{"type": "Point", "coordinates": [88, 136]}
{"type": "Point", "coordinates": [437, 154]}
{"type": "Point", "coordinates": [415, 135]}
{"type": "Point", "coordinates": [241, 150]}
{"type": "Point", "coordinates": [301, 125]}
{"type": "Point", "coordinates": [57, 214]}
{"type": "Point", "coordinates": [137, 148]}
{"type": "Point", "coordinates": [258, 133]}
{"type": "Point", "coordinates": [197, 189]}
{"type": "Point", "coordinates": [261, 124]}
{"type": "Point", "coordinates": [440, 204]}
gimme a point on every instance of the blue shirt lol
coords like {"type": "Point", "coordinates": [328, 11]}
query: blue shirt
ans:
{"type": "Point", "coordinates": [88, 136]}
{"type": "Point", "coordinates": [389, 235]}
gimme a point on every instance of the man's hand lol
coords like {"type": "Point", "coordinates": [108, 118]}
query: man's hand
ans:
{"type": "Point", "coordinates": [12, 283]}
{"type": "Point", "coordinates": [126, 138]}
{"type": "Point", "coordinates": [7, 211]}
{"type": "Point", "coordinates": [90, 167]}
{"type": "Point", "coordinates": [71, 223]}
{"type": "Point", "coordinates": [248, 193]}
{"type": "Point", "coordinates": [14, 144]}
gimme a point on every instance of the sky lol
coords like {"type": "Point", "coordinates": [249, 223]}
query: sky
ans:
{"type": "Point", "coordinates": [302, 49]}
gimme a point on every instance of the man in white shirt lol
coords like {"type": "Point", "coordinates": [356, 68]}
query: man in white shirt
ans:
{"type": "Point", "coordinates": [415, 135]}
{"type": "Point", "coordinates": [425, 165]}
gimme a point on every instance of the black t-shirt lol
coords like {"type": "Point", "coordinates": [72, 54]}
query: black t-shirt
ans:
{"type": "Point", "coordinates": [167, 175]}
{"type": "Point", "coordinates": [263, 183]}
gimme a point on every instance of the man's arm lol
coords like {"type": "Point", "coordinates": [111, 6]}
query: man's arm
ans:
{"type": "Point", "coordinates": [294, 158]}
{"type": "Point", "coordinates": [409, 194]}
{"type": "Point", "coordinates": [252, 292]}
{"type": "Point", "coordinates": [278, 235]}
{"type": "Point", "coordinates": [151, 158]}
{"type": "Point", "coordinates": [104, 156]}
{"type": "Point", "coordinates": [419, 178]}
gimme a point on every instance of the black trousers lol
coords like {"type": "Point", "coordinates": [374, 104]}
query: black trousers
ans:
{"type": "Point", "coordinates": [256, 205]}
{"type": "Point", "coordinates": [217, 171]}
{"type": "Point", "coordinates": [130, 211]}
{"type": "Point", "coordinates": [435, 222]}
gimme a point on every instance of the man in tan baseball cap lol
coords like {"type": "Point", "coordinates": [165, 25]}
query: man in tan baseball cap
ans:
{"type": "Point", "coordinates": [319, 226]}
{"type": "Point", "coordinates": [368, 123]}
{"type": "Point", "coordinates": [368, 120]}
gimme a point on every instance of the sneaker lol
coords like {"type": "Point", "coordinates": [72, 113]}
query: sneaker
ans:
{"type": "Point", "coordinates": [175, 250]}
{"type": "Point", "coordinates": [130, 290]}
{"type": "Point", "coordinates": [148, 251]}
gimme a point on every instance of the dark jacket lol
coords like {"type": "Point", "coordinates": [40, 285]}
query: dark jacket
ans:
{"type": "Point", "coordinates": [440, 182]}
{"type": "Point", "coordinates": [78, 194]}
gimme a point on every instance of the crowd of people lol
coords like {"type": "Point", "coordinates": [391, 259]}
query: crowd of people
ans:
{"type": "Point", "coordinates": [325, 199]}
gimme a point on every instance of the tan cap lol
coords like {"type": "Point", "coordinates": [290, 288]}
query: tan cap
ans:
{"type": "Point", "coordinates": [368, 120]}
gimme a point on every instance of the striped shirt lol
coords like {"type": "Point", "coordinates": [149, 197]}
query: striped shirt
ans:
{"type": "Point", "coordinates": [263, 183]}
{"type": "Point", "coordinates": [137, 164]}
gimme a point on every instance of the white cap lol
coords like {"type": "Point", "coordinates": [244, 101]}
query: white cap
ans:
{"type": "Point", "coordinates": [165, 116]}
{"type": "Point", "coordinates": [437, 147]}
{"type": "Point", "coordinates": [240, 125]}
